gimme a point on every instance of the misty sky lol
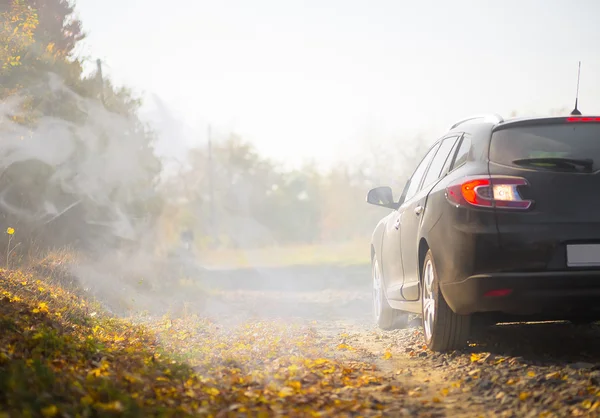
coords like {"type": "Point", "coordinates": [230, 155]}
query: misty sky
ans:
{"type": "Point", "coordinates": [318, 78]}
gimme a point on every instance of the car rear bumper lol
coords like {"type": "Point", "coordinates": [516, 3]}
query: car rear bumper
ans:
{"type": "Point", "coordinates": [555, 293]}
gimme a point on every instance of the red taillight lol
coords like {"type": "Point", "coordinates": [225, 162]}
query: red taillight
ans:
{"type": "Point", "coordinates": [583, 119]}
{"type": "Point", "coordinates": [473, 192]}
{"type": "Point", "coordinates": [498, 293]}
{"type": "Point", "coordinates": [489, 192]}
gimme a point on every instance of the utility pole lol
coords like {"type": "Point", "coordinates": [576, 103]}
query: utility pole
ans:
{"type": "Point", "coordinates": [101, 81]}
{"type": "Point", "coordinates": [211, 190]}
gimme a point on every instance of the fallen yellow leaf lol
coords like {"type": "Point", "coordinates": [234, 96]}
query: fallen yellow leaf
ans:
{"type": "Point", "coordinates": [212, 391]}
{"type": "Point", "coordinates": [50, 411]}
{"type": "Point", "coordinates": [344, 347]}
{"type": "Point", "coordinates": [475, 357]}
{"type": "Point", "coordinates": [524, 396]}
{"type": "Point", "coordinates": [285, 392]}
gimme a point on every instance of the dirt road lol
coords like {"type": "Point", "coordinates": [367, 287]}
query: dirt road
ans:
{"type": "Point", "coordinates": [516, 370]}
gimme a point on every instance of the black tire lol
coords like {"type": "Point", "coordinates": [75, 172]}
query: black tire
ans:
{"type": "Point", "coordinates": [384, 315]}
{"type": "Point", "coordinates": [443, 329]}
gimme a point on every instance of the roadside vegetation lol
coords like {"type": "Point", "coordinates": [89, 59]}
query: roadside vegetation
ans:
{"type": "Point", "coordinates": [62, 355]}
{"type": "Point", "coordinates": [348, 253]}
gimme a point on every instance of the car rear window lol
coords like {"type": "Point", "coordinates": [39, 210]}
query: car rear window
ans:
{"type": "Point", "coordinates": [576, 140]}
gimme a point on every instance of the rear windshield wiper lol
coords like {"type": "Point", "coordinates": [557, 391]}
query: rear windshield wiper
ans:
{"type": "Point", "coordinates": [569, 163]}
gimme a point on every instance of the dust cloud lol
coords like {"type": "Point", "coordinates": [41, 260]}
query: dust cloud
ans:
{"type": "Point", "coordinates": [79, 181]}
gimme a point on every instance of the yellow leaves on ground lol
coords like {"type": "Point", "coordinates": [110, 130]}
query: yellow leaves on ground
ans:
{"type": "Point", "coordinates": [475, 357]}
{"type": "Point", "coordinates": [41, 307]}
{"type": "Point", "coordinates": [345, 347]}
{"type": "Point", "coordinates": [387, 355]}
{"type": "Point", "coordinates": [589, 405]}
{"type": "Point", "coordinates": [523, 396]}
{"type": "Point", "coordinates": [115, 406]}
{"type": "Point", "coordinates": [101, 370]}
{"type": "Point", "coordinates": [94, 365]}
{"type": "Point", "coordinates": [285, 392]}
{"type": "Point", "coordinates": [50, 411]}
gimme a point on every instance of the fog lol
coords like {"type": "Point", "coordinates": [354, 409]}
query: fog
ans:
{"type": "Point", "coordinates": [158, 194]}
{"type": "Point", "coordinates": [312, 80]}
{"type": "Point", "coordinates": [213, 165]}
{"type": "Point", "coordinates": [142, 224]}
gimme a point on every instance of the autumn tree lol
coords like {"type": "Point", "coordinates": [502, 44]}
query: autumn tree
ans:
{"type": "Point", "coordinates": [42, 88]}
{"type": "Point", "coordinates": [17, 27]}
{"type": "Point", "coordinates": [57, 25]}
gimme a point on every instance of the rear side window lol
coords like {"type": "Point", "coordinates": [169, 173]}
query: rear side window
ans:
{"type": "Point", "coordinates": [450, 159]}
{"type": "Point", "coordinates": [463, 152]}
{"type": "Point", "coordinates": [573, 141]}
{"type": "Point", "coordinates": [435, 169]}
{"type": "Point", "coordinates": [413, 184]}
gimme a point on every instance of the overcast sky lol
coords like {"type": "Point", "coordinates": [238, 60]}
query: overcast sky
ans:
{"type": "Point", "coordinates": [315, 79]}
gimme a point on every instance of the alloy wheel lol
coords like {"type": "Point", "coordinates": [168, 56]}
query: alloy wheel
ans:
{"type": "Point", "coordinates": [377, 295]}
{"type": "Point", "coordinates": [428, 300]}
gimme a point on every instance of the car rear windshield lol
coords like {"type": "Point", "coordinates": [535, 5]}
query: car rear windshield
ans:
{"type": "Point", "coordinates": [573, 141]}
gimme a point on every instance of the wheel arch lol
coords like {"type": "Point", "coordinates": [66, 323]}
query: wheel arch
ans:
{"type": "Point", "coordinates": [377, 239]}
{"type": "Point", "coordinates": [423, 249]}
{"type": "Point", "coordinates": [437, 253]}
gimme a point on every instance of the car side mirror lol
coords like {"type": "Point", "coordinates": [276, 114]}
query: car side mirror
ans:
{"type": "Point", "coordinates": [382, 196]}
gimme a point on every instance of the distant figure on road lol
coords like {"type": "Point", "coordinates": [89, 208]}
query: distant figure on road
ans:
{"type": "Point", "coordinates": [187, 238]}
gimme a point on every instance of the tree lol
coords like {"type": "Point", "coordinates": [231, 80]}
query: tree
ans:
{"type": "Point", "coordinates": [102, 170]}
{"type": "Point", "coordinates": [17, 27]}
{"type": "Point", "coordinates": [57, 25]}
{"type": "Point", "coordinates": [38, 37]}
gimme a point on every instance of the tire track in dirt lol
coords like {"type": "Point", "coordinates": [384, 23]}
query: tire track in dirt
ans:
{"type": "Point", "coordinates": [428, 384]}
{"type": "Point", "coordinates": [514, 370]}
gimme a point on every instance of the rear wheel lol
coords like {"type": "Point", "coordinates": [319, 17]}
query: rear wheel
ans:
{"type": "Point", "coordinates": [444, 330]}
{"type": "Point", "coordinates": [383, 314]}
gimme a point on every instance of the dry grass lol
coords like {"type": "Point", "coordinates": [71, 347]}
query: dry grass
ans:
{"type": "Point", "coordinates": [61, 355]}
{"type": "Point", "coordinates": [354, 252]}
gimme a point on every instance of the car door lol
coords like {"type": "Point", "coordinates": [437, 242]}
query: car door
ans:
{"type": "Point", "coordinates": [412, 212]}
{"type": "Point", "coordinates": [393, 272]}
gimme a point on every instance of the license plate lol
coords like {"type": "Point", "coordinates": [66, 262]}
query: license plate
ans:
{"type": "Point", "coordinates": [583, 255]}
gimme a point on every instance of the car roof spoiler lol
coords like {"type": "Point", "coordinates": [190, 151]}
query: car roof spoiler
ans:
{"type": "Point", "coordinates": [492, 117]}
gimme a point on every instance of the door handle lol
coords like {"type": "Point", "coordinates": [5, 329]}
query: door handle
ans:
{"type": "Point", "coordinates": [419, 210]}
{"type": "Point", "coordinates": [397, 224]}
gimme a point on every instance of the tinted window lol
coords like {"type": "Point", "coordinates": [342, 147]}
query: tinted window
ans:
{"type": "Point", "coordinates": [577, 141]}
{"type": "Point", "coordinates": [415, 180]}
{"type": "Point", "coordinates": [448, 163]}
{"type": "Point", "coordinates": [463, 152]}
{"type": "Point", "coordinates": [438, 162]}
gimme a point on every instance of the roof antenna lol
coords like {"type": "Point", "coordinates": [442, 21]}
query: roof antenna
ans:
{"type": "Point", "coordinates": [576, 111]}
